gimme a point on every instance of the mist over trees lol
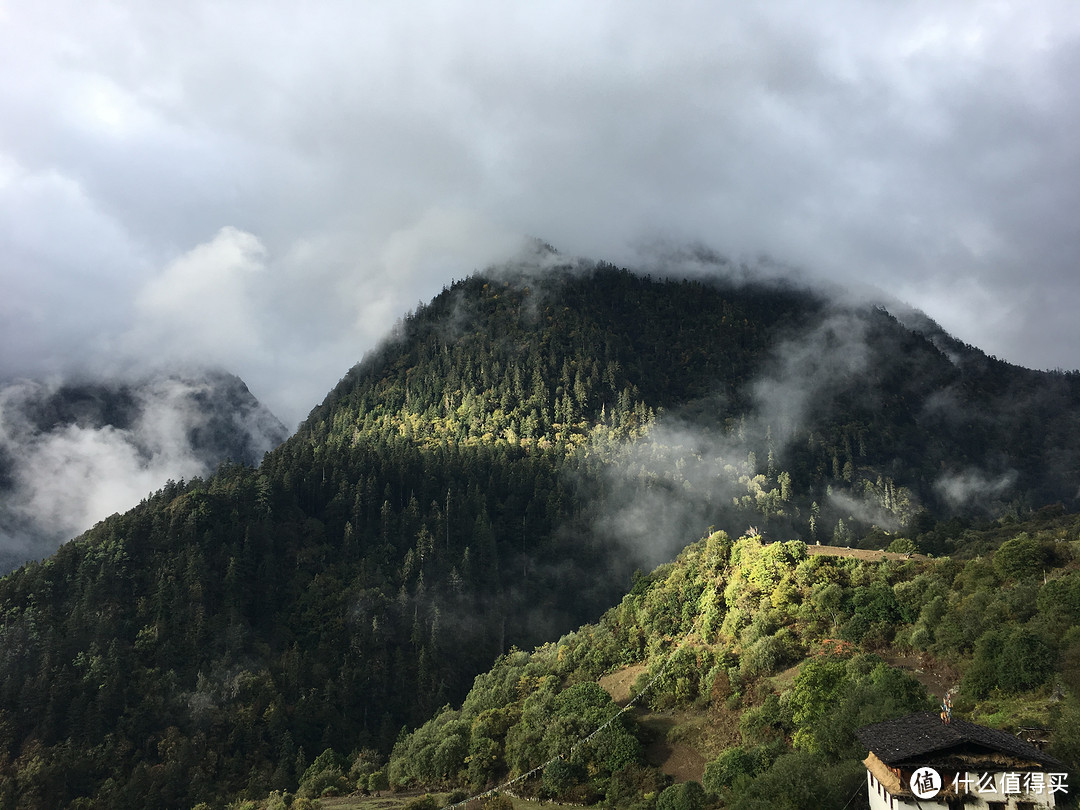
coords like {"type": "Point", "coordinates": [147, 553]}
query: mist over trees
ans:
{"type": "Point", "coordinates": [72, 452]}
{"type": "Point", "coordinates": [492, 476]}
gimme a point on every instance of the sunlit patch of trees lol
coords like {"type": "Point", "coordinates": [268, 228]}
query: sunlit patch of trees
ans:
{"type": "Point", "coordinates": [714, 627]}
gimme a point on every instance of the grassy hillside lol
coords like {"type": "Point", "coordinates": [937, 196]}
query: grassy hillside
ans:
{"type": "Point", "coordinates": [764, 659]}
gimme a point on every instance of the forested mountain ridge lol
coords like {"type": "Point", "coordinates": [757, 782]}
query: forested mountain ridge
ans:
{"type": "Point", "coordinates": [477, 482]}
{"type": "Point", "coordinates": [871, 421]}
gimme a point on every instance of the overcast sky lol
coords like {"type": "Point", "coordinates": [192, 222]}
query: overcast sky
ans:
{"type": "Point", "coordinates": [269, 185]}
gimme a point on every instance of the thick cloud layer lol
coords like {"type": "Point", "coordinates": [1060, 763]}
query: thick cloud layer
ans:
{"type": "Point", "coordinates": [272, 184]}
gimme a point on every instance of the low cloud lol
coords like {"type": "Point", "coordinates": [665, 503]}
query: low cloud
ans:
{"type": "Point", "coordinates": [973, 487]}
{"type": "Point", "coordinates": [865, 510]}
{"type": "Point", "coordinates": [807, 371]}
{"type": "Point", "coordinates": [72, 454]}
{"type": "Point", "coordinates": [291, 321]}
{"type": "Point", "coordinates": [202, 304]}
{"type": "Point", "coordinates": [667, 488]}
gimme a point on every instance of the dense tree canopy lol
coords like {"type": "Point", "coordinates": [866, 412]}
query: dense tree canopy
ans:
{"type": "Point", "coordinates": [697, 625]}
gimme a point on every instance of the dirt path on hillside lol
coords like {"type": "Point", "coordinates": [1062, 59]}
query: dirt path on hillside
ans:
{"type": "Point", "coordinates": [679, 760]}
{"type": "Point", "coordinates": [618, 683]}
{"type": "Point", "coordinates": [868, 554]}
{"type": "Point", "coordinates": [679, 743]}
{"type": "Point", "coordinates": [937, 677]}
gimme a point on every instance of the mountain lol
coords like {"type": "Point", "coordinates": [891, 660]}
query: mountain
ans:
{"type": "Point", "coordinates": [493, 475]}
{"type": "Point", "coordinates": [72, 452]}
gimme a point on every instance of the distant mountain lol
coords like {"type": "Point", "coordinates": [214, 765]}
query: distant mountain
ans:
{"type": "Point", "coordinates": [72, 452]}
{"type": "Point", "coordinates": [491, 476]}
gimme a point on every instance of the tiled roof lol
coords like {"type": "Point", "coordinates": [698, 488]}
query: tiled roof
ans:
{"type": "Point", "coordinates": [922, 734]}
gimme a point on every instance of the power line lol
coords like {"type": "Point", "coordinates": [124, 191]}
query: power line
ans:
{"type": "Point", "coordinates": [583, 741]}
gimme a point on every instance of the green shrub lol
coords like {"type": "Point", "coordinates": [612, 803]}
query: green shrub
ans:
{"type": "Point", "coordinates": [684, 796]}
{"type": "Point", "coordinates": [365, 763]}
{"type": "Point", "coordinates": [323, 774]}
{"type": "Point", "coordinates": [1012, 661]}
{"type": "Point", "coordinates": [1021, 557]}
{"type": "Point", "coordinates": [378, 781]}
{"type": "Point", "coordinates": [769, 655]}
{"type": "Point", "coordinates": [763, 657]}
{"type": "Point", "coordinates": [902, 545]}
{"type": "Point", "coordinates": [560, 777]}
{"type": "Point", "coordinates": [722, 771]}
{"type": "Point", "coordinates": [629, 787]}
{"type": "Point", "coordinates": [764, 723]}
{"type": "Point", "coordinates": [483, 761]}
{"type": "Point", "coordinates": [1025, 661]}
{"type": "Point", "coordinates": [831, 698]}
{"type": "Point", "coordinates": [797, 781]}
{"type": "Point", "coordinates": [1061, 596]}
